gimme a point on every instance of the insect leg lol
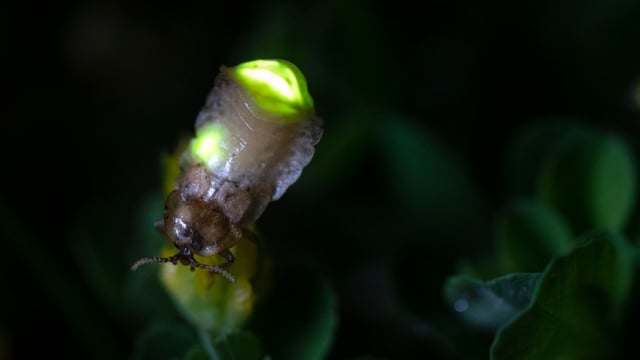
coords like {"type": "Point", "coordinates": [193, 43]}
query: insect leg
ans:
{"type": "Point", "coordinates": [245, 233]}
{"type": "Point", "coordinates": [251, 235]}
{"type": "Point", "coordinates": [228, 255]}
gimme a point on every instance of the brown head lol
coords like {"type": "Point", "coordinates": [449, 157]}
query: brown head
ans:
{"type": "Point", "coordinates": [195, 227]}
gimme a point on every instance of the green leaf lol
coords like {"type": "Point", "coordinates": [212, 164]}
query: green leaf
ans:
{"type": "Point", "coordinates": [591, 182]}
{"type": "Point", "coordinates": [299, 318]}
{"type": "Point", "coordinates": [430, 182]}
{"type": "Point", "coordinates": [197, 352]}
{"type": "Point", "coordinates": [585, 174]}
{"type": "Point", "coordinates": [529, 234]}
{"type": "Point", "coordinates": [482, 266]}
{"type": "Point", "coordinates": [338, 156]}
{"type": "Point", "coordinates": [144, 296]}
{"type": "Point", "coordinates": [239, 346]}
{"type": "Point", "coordinates": [577, 305]}
{"type": "Point", "coordinates": [613, 183]}
{"type": "Point", "coordinates": [164, 341]}
{"type": "Point", "coordinates": [435, 201]}
{"type": "Point", "coordinates": [532, 145]}
{"type": "Point", "coordinates": [489, 305]}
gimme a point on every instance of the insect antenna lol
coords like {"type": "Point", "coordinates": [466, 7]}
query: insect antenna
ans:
{"type": "Point", "coordinates": [156, 259]}
{"type": "Point", "coordinates": [213, 268]}
{"type": "Point", "coordinates": [179, 257]}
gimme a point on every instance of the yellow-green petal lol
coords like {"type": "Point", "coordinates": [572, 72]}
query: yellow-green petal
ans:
{"type": "Point", "coordinates": [210, 301]}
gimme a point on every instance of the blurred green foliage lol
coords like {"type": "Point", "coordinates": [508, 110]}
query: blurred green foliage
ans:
{"type": "Point", "coordinates": [576, 311]}
{"type": "Point", "coordinates": [474, 194]}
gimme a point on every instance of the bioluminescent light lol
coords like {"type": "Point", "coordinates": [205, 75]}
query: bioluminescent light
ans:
{"type": "Point", "coordinates": [277, 86]}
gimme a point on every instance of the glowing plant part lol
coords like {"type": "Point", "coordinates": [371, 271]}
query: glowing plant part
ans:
{"type": "Point", "coordinates": [278, 86]}
{"type": "Point", "coordinates": [206, 146]}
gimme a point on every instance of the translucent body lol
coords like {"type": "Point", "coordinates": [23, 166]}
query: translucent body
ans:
{"type": "Point", "coordinates": [244, 156]}
{"type": "Point", "coordinates": [260, 154]}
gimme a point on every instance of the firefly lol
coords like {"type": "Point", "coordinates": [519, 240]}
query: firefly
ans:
{"type": "Point", "coordinates": [255, 134]}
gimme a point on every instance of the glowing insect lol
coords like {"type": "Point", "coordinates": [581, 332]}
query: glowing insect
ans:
{"type": "Point", "coordinates": [255, 134]}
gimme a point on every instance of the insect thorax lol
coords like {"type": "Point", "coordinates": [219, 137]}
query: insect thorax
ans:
{"type": "Point", "coordinates": [241, 200]}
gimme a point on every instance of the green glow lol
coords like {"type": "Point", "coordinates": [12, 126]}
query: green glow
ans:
{"type": "Point", "coordinates": [277, 85]}
{"type": "Point", "coordinates": [206, 147]}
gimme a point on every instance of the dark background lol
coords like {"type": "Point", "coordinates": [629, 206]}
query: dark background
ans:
{"type": "Point", "coordinates": [96, 91]}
